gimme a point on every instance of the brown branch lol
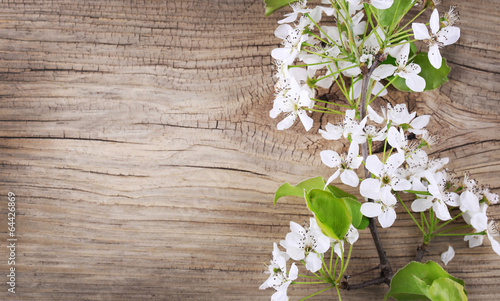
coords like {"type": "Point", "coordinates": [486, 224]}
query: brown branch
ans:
{"type": "Point", "coordinates": [421, 250]}
{"type": "Point", "coordinates": [386, 270]}
{"type": "Point", "coordinates": [346, 286]}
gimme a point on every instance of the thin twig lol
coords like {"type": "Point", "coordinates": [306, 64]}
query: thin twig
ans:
{"type": "Point", "coordinates": [386, 270]}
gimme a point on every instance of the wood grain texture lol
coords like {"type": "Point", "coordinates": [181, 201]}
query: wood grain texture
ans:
{"type": "Point", "coordinates": [136, 137]}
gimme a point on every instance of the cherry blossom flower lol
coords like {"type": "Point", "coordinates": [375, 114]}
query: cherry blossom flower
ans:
{"type": "Point", "coordinates": [278, 278]}
{"type": "Point", "coordinates": [399, 116]}
{"type": "Point", "coordinates": [382, 207]}
{"type": "Point", "coordinates": [306, 244]}
{"type": "Point", "coordinates": [437, 38]}
{"type": "Point", "coordinates": [293, 102]}
{"type": "Point", "coordinates": [348, 126]}
{"type": "Point", "coordinates": [407, 71]}
{"type": "Point", "coordinates": [369, 132]}
{"type": "Point", "coordinates": [292, 41]}
{"type": "Point", "coordinates": [439, 198]}
{"type": "Point", "coordinates": [344, 164]}
{"type": "Point", "coordinates": [298, 7]}
{"type": "Point", "coordinates": [386, 178]}
{"type": "Point", "coordinates": [492, 231]}
{"type": "Point", "coordinates": [351, 237]}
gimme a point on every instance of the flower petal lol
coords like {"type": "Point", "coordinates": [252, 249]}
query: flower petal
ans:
{"type": "Point", "coordinates": [415, 82]}
{"type": "Point", "coordinates": [374, 165]}
{"type": "Point", "coordinates": [305, 119]}
{"type": "Point", "coordinates": [383, 71]}
{"type": "Point", "coordinates": [474, 240]}
{"type": "Point", "coordinates": [387, 218]}
{"type": "Point", "coordinates": [435, 57]}
{"type": "Point", "coordinates": [441, 211]}
{"type": "Point", "coordinates": [313, 262]}
{"type": "Point", "coordinates": [469, 202]}
{"type": "Point", "coordinates": [434, 21]}
{"type": "Point", "coordinates": [332, 177]}
{"type": "Point", "coordinates": [282, 31]}
{"type": "Point", "coordinates": [286, 123]}
{"type": "Point", "coordinates": [281, 54]}
{"type": "Point", "coordinates": [330, 158]}
{"type": "Point", "coordinates": [369, 187]}
{"type": "Point", "coordinates": [420, 31]}
{"type": "Point", "coordinates": [294, 272]}
{"type": "Point", "coordinates": [370, 209]}
{"type": "Point", "coordinates": [373, 115]}
{"type": "Point", "coordinates": [448, 35]}
{"type": "Point", "coordinates": [349, 177]}
{"type": "Point", "coordinates": [394, 161]}
{"type": "Point", "coordinates": [448, 255]}
{"type": "Point", "coordinates": [420, 205]}
{"type": "Point", "coordinates": [382, 4]}
{"type": "Point", "coordinates": [331, 132]}
{"type": "Point", "coordinates": [420, 121]}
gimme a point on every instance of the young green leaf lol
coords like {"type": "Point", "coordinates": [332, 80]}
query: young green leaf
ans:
{"type": "Point", "coordinates": [394, 13]}
{"type": "Point", "coordinates": [445, 289]}
{"type": "Point", "coordinates": [340, 193]}
{"type": "Point", "coordinates": [331, 213]}
{"type": "Point", "coordinates": [273, 5]}
{"type": "Point", "coordinates": [299, 189]}
{"type": "Point", "coordinates": [359, 221]}
{"type": "Point", "coordinates": [434, 78]}
{"type": "Point", "coordinates": [419, 281]}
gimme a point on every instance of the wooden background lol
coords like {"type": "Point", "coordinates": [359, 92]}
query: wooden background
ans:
{"type": "Point", "coordinates": [136, 137]}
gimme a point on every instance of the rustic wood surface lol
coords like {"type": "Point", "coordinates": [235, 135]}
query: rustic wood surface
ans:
{"type": "Point", "coordinates": [136, 137]}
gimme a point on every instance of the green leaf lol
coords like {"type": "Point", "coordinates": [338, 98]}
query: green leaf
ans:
{"type": "Point", "coordinates": [359, 221]}
{"type": "Point", "coordinates": [433, 77]}
{"type": "Point", "coordinates": [416, 280]}
{"type": "Point", "coordinates": [331, 213]}
{"type": "Point", "coordinates": [340, 193]}
{"type": "Point", "coordinates": [273, 5]}
{"type": "Point", "coordinates": [395, 12]}
{"type": "Point", "coordinates": [299, 189]}
{"type": "Point", "coordinates": [364, 223]}
{"type": "Point", "coordinates": [445, 289]}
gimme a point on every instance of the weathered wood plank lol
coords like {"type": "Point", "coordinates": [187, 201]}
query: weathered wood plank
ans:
{"type": "Point", "coordinates": [136, 137]}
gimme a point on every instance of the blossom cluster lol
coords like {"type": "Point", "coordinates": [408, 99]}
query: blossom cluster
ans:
{"type": "Point", "coordinates": [315, 56]}
{"type": "Point", "coordinates": [407, 168]}
{"type": "Point", "coordinates": [363, 53]}
{"type": "Point", "coordinates": [303, 244]}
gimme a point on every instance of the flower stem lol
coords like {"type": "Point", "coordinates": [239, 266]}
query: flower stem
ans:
{"type": "Point", "coordinates": [317, 293]}
{"type": "Point", "coordinates": [308, 282]}
{"type": "Point", "coordinates": [411, 215]}
{"type": "Point", "coordinates": [307, 276]}
{"type": "Point", "coordinates": [447, 222]}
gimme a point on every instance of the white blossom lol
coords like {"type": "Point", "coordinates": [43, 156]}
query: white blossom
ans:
{"type": "Point", "coordinates": [439, 198]}
{"type": "Point", "coordinates": [387, 177]}
{"type": "Point", "coordinates": [351, 237]}
{"type": "Point", "coordinates": [279, 279]}
{"type": "Point", "coordinates": [438, 37]}
{"type": "Point", "coordinates": [308, 244]}
{"type": "Point", "coordinates": [292, 41]}
{"type": "Point", "coordinates": [382, 207]}
{"type": "Point", "coordinates": [293, 102]}
{"type": "Point", "coordinates": [344, 164]}
{"type": "Point", "coordinates": [348, 126]}
{"type": "Point", "coordinates": [407, 71]}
